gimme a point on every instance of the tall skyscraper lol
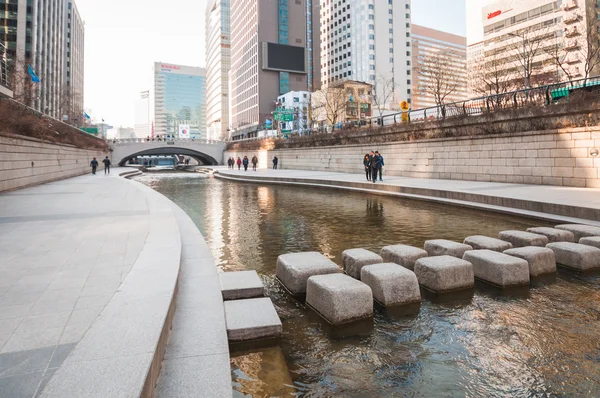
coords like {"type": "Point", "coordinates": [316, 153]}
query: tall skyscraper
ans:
{"type": "Point", "coordinates": [142, 115]}
{"type": "Point", "coordinates": [368, 41]}
{"type": "Point", "coordinates": [271, 54]}
{"type": "Point", "coordinates": [447, 54]}
{"type": "Point", "coordinates": [72, 92]}
{"type": "Point", "coordinates": [36, 33]}
{"type": "Point", "coordinates": [218, 63]}
{"type": "Point", "coordinates": [178, 100]}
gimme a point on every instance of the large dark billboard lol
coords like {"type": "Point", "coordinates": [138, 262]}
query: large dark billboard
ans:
{"type": "Point", "coordinates": [281, 57]}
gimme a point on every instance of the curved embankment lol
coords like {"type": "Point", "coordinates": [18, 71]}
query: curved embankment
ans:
{"type": "Point", "coordinates": [122, 353]}
{"type": "Point", "coordinates": [555, 204]}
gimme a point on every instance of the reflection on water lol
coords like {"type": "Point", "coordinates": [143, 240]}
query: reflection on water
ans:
{"type": "Point", "coordinates": [543, 342]}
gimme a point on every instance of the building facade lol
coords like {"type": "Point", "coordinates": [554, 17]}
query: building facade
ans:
{"type": "Point", "coordinates": [142, 115]}
{"type": "Point", "coordinates": [178, 101]}
{"type": "Point", "coordinates": [71, 101]}
{"type": "Point", "coordinates": [534, 42]}
{"type": "Point", "coordinates": [368, 41]}
{"type": "Point", "coordinates": [36, 33]}
{"type": "Point", "coordinates": [344, 101]}
{"type": "Point", "coordinates": [218, 63]}
{"type": "Point", "coordinates": [430, 45]}
{"type": "Point", "coordinates": [271, 54]}
{"type": "Point", "coordinates": [294, 105]}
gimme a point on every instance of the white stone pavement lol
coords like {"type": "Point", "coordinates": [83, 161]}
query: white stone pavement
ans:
{"type": "Point", "coordinates": [539, 201]}
{"type": "Point", "coordinates": [88, 269]}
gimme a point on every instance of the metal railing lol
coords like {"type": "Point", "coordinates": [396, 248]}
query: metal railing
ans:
{"type": "Point", "coordinates": [123, 141]}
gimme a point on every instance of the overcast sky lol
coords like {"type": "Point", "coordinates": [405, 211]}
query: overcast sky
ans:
{"type": "Point", "coordinates": [123, 38]}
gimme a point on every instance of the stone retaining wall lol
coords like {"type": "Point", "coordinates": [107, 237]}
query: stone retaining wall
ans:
{"type": "Point", "coordinates": [26, 161]}
{"type": "Point", "coordinates": [550, 157]}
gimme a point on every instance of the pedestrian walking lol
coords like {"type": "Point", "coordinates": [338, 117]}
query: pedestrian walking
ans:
{"type": "Point", "coordinates": [375, 165]}
{"type": "Point", "coordinates": [382, 163]}
{"type": "Point", "coordinates": [239, 163]}
{"type": "Point", "coordinates": [230, 163]}
{"type": "Point", "coordinates": [275, 162]}
{"type": "Point", "coordinates": [94, 164]}
{"type": "Point", "coordinates": [245, 162]}
{"type": "Point", "coordinates": [254, 162]}
{"type": "Point", "coordinates": [367, 164]}
{"type": "Point", "coordinates": [106, 162]}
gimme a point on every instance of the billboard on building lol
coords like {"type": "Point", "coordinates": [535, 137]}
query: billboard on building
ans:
{"type": "Point", "coordinates": [184, 131]}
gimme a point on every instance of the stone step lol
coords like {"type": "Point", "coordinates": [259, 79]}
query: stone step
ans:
{"type": "Point", "coordinates": [241, 285]}
{"type": "Point", "coordinates": [251, 319]}
{"type": "Point", "coordinates": [576, 256]}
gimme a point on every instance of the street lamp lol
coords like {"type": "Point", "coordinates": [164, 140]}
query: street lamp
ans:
{"type": "Point", "coordinates": [522, 37]}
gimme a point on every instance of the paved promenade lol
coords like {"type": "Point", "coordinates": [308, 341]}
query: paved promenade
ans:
{"type": "Point", "coordinates": [88, 272]}
{"type": "Point", "coordinates": [562, 204]}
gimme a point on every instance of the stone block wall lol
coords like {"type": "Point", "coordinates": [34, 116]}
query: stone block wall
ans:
{"type": "Point", "coordinates": [28, 161]}
{"type": "Point", "coordinates": [550, 157]}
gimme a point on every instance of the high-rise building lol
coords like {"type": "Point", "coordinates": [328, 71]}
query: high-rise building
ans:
{"type": "Point", "coordinates": [178, 101]}
{"type": "Point", "coordinates": [534, 42]}
{"type": "Point", "coordinates": [72, 92]}
{"type": "Point", "coordinates": [218, 63]}
{"type": "Point", "coordinates": [142, 115]}
{"type": "Point", "coordinates": [447, 54]}
{"type": "Point", "coordinates": [368, 41]}
{"type": "Point", "coordinates": [271, 54]}
{"type": "Point", "coordinates": [36, 33]}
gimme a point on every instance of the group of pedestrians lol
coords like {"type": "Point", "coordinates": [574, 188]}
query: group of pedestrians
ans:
{"type": "Point", "coordinates": [373, 163]}
{"type": "Point", "coordinates": [94, 165]}
{"type": "Point", "coordinates": [231, 162]}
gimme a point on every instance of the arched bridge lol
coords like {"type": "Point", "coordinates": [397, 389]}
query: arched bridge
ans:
{"type": "Point", "coordinates": [204, 151]}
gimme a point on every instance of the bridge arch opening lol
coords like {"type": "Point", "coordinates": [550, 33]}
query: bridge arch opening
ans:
{"type": "Point", "coordinates": [201, 157]}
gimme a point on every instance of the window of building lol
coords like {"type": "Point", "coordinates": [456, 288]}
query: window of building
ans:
{"type": "Point", "coordinates": [407, 6]}
{"type": "Point", "coordinates": [371, 37]}
{"type": "Point", "coordinates": [372, 67]}
{"type": "Point", "coordinates": [407, 34]}
{"type": "Point", "coordinates": [372, 27]}
{"type": "Point", "coordinates": [408, 82]}
{"type": "Point", "coordinates": [391, 40]}
{"type": "Point", "coordinates": [391, 31]}
{"type": "Point", "coordinates": [371, 16]}
{"type": "Point", "coordinates": [407, 15]}
{"type": "Point", "coordinates": [408, 72]}
{"type": "Point", "coordinates": [391, 60]}
{"type": "Point", "coordinates": [407, 44]}
{"type": "Point", "coordinates": [372, 56]}
{"type": "Point", "coordinates": [372, 77]}
{"type": "Point", "coordinates": [390, 21]}
{"type": "Point", "coordinates": [371, 7]}
{"type": "Point", "coordinates": [371, 46]}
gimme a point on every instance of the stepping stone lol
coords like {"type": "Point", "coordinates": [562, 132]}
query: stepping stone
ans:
{"type": "Point", "coordinates": [392, 284]}
{"type": "Point", "coordinates": [498, 269]}
{"type": "Point", "coordinates": [354, 259]}
{"type": "Point", "coordinates": [251, 319]}
{"type": "Point", "coordinates": [403, 255]}
{"type": "Point", "coordinates": [443, 247]}
{"type": "Point", "coordinates": [294, 269]}
{"type": "Point", "coordinates": [444, 273]}
{"type": "Point", "coordinates": [480, 242]}
{"type": "Point", "coordinates": [590, 241]}
{"type": "Point", "coordinates": [523, 239]}
{"type": "Point", "coordinates": [576, 256]}
{"type": "Point", "coordinates": [541, 260]}
{"type": "Point", "coordinates": [553, 234]}
{"type": "Point", "coordinates": [241, 285]}
{"type": "Point", "coordinates": [580, 231]}
{"type": "Point", "coordinates": [339, 298]}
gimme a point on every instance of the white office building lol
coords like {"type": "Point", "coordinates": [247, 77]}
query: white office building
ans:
{"type": "Point", "coordinates": [73, 68]}
{"type": "Point", "coordinates": [218, 63]}
{"type": "Point", "coordinates": [296, 103]}
{"type": "Point", "coordinates": [368, 41]}
{"type": "Point", "coordinates": [141, 118]}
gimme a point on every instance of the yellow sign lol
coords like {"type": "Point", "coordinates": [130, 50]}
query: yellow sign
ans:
{"type": "Point", "coordinates": [405, 118]}
{"type": "Point", "coordinates": [405, 106]}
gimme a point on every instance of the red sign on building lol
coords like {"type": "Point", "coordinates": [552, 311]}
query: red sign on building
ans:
{"type": "Point", "coordinates": [494, 14]}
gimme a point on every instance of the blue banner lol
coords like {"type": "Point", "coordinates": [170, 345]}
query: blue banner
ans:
{"type": "Point", "coordinates": [34, 77]}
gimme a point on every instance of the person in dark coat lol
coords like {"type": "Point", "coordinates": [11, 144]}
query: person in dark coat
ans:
{"type": "Point", "coordinates": [245, 162]}
{"type": "Point", "coordinates": [254, 162]}
{"type": "Point", "coordinates": [375, 166]}
{"type": "Point", "coordinates": [380, 169]}
{"type": "Point", "coordinates": [275, 162]}
{"type": "Point", "coordinates": [94, 164]}
{"type": "Point", "coordinates": [367, 164]}
{"type": "Point", "coordinates": [239, 163]}
{"type": "Point", "coordinates": [106, 162]}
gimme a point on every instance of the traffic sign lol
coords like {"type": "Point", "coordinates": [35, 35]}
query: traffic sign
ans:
{"type": "Point", "coordinates": [405, 106]}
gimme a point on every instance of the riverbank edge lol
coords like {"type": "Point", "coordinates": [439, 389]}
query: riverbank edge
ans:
{"type": "Point", "coordinates": [449, 197]}
{"type": "Point", "coordinates": [137, 371]}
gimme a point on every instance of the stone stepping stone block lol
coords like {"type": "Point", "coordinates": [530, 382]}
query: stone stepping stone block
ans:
{"type": "Point", "coordinates": [553, 234]}
{"type": "Point", "coordinates": [354, 259]}
{"type": "Point", "coordinates": [445, 273]}
{"type": "Point", "coordinates": [498, 269]}
{"type": "Point", "coordinates": [541, 260]}
{"type": "Point", "coordinates": [294, 269]}
{"type": "Point", "coordinates": [443, 247]}
{"type": "Point", "coordinates": [403, 255]}
{"type": "Point", "coordinates": [339, 298]}
{"type": "Point", "coordinates": [576, 256]}
{"type": "Point", "coordinates": [580, 231]}
{"type": "Point", "coordinates": [241, 285]}
{"type": "Point", "coordinates": [523, 239]}
{"type": "Point", "coordinates": [480, 242]}
{"type": "Point", "coordinates": [251, 319]}
{"type": "Point", "coordinates": [391, 284]}
{"type": "Point", "coordinates": [590, 241]}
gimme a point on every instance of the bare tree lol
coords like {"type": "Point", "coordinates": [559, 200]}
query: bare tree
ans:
{"type": "Point", "coordinates": [19, 80]}
{"type": "Point", "coordinates": [383, 93]}
{"type": "Point", "coordinates": [527, 49]}
{"type": "Point", "coordinates": [71, 105]}
{"type": "Point", "coordinates": [491, 77]}
{"type": "Point", "coordinates": [329, 104]}
{"type": "Point", "coordinates": [440, 75]}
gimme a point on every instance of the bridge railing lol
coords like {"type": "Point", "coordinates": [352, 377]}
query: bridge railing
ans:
{"type": "Point", "coordinates": [169, 141]}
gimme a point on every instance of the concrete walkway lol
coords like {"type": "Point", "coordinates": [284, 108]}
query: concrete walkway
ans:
{"type": "Point", "coordinates": [560, 204]}
{"type": "Point", "coordinates": [89, 267]}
